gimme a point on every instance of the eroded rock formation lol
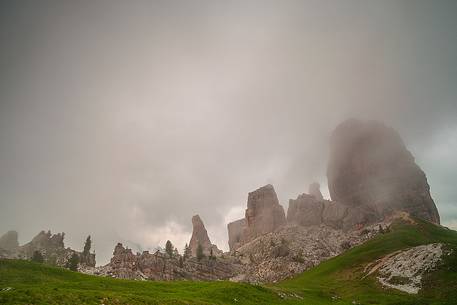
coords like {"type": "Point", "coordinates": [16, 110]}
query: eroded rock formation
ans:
{"type": "Point", "coordinates": [264, 214]}
{"type": "Point", "coordinates": [200, 237]}
{"type": "Point", "coordinates": [160, 266]}
{"type": "Point", "coordinates": [306, 210]}
{"type": "Point", "coordinates": [371, 169]}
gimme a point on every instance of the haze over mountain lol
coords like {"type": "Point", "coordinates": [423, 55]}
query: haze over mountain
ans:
{"type": "Point", "coordinates": [123, 120]}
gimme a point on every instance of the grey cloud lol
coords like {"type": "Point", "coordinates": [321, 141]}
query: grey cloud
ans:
{"type": "Point", "coordinates": [122, 120]}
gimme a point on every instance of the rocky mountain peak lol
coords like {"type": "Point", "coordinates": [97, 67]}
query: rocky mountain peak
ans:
{"type": "Point", "coordinates": [370, 166]}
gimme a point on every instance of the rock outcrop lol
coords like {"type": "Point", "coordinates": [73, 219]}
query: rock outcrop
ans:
{"type": "Point", "coordinates": [235, 233]}
{"type": "Point", "coordinates": [404, 270]}
{"type": "Point", "coordinates": [51, 247]}
{"type": "Point", "coordinates": [306, 210]}
{"type": "Point", "coordinates": [371, 169]}
{"type": "Point", "coordinates": [200, 237]}
{"type": "Point", "coordinates": [160, 266]}
{"type": "Point", "coordinates": [264, 214]}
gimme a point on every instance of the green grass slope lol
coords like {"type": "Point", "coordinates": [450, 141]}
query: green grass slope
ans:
{"type": "Point", "coordinates": [340, 279]}
{"type": "Point", "coordinates": [336, 281]}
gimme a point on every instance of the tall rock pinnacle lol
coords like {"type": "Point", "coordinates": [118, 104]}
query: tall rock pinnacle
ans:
{"type": "Point", "coordinates": [200, 236]}
{"type": "Point", "coordinates": [370, 166]}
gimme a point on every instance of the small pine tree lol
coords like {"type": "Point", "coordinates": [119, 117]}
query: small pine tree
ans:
{"type": "Point", "coordinates": [169, 248]}
{"type": "Point", "coordinates": [87, 246]}
{"type": "Point", "coordinates": [73, 262]}
{"type": "Point", "coordinates": [381, 230]}
{"type": "Point", "coordinates": [187, 252]}
{"type": "Point", "coordinates": [181, 262]}
{"type": "Point", "coordinates": [37, 257]}
{"type": "Point", "coordinates": [200, 254]}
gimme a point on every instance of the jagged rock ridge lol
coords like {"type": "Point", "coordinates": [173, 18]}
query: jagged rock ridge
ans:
{"type": "Point", "coordinates": [51, 246]}
{"type": "Point", "coordinates": [161, 266]}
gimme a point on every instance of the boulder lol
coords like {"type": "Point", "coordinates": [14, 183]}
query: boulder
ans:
{"type": "Point", "coordinates": [370, 169]}
{"type": "Point", "coordinates": [264, 214]}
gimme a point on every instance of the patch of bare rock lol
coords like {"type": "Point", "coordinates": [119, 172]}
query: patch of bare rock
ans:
{"type": "Point", "coordinates": [293, 249]}
{"type": "Point", "coordinates": [404, 270]}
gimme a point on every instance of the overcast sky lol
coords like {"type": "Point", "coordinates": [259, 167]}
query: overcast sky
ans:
{"type": "Point", "coordinates": [122, 119]}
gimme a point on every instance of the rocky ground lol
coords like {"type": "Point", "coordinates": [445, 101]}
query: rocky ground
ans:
{"type": "Point", "coordinates": [294, 249]}
{"type": "Point", "coordinates": [404, 270]}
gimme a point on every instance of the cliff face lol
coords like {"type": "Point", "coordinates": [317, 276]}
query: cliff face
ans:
{"type": "Point", "coordinates": [264, 214]}
{"type": "Point", "coordinates": [370, 168]}
{"type": "Point", "coordinates": [306, 210]}
{"type": "Point", "coordinates": [235, 233]}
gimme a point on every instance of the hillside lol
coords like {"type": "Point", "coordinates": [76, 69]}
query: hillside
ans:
{"type": "Point", "coordinates": [336, 281]}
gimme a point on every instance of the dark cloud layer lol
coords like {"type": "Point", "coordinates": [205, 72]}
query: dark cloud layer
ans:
{"type": "Point", "coordinates": [123, 119]}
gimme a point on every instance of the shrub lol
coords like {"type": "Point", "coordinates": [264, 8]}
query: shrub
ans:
{"type": "Point", "coordinates": [73, 262]}
{"type": "Point", "coordinates": [37, 257]}
{"type": "Point", "coordinates": [200, 254]}
{"type": "Point", "coordinates": [345, 245]}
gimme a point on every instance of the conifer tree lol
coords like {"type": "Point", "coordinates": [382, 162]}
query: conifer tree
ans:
{"type": "Point", "coordinates": [87, 246]}
{"type": "Point", "coordinates": [187, 252]}
{"type": "Point", "coordinates": [169, 248]}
